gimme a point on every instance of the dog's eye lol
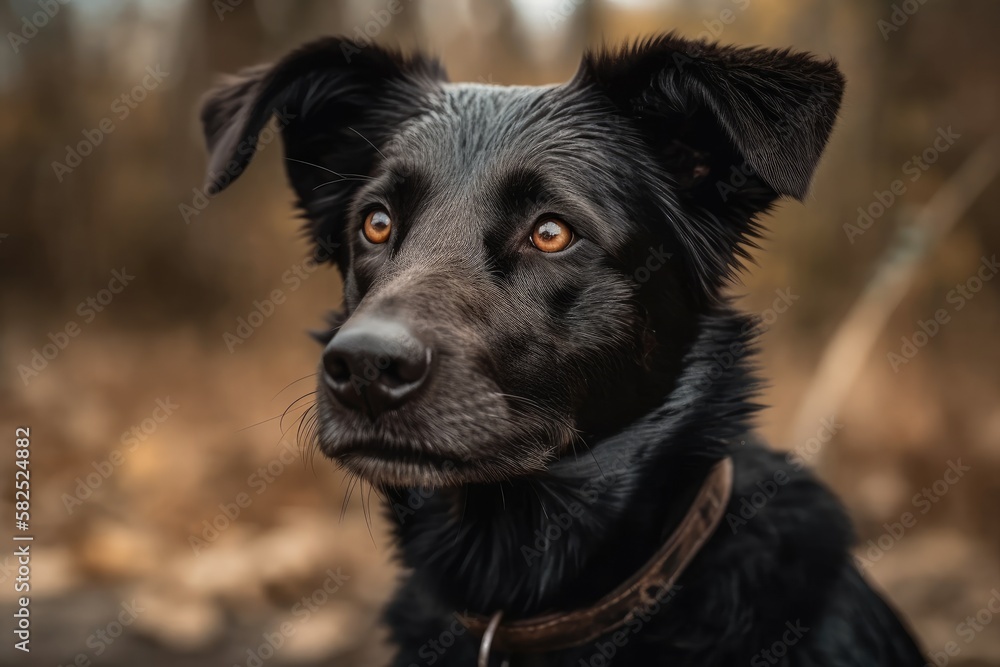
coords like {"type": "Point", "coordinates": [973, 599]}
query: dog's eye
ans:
{"type": "Point", "coordinates": [551, 235]}
{"type": "Point", "coordinates": [378, 226]}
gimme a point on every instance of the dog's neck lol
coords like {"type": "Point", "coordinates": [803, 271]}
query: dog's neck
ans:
{"type": "Point", "coordinates": [519, 546]}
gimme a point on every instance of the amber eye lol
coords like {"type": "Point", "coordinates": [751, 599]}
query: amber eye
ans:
{"type": "Point", "coordinates": [378, 226]}
{"type": "Point", "coordinates": [551, 235]}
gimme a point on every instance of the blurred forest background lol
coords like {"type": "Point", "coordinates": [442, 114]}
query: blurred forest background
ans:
{"type": "Point", "coordinates": [149, 423]}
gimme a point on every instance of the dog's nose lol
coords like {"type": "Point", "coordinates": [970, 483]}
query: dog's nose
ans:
{"type": "Point", "coordinates": [375, 365]}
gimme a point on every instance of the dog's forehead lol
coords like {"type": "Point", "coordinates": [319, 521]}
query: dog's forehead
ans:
{"type": "Point", "coordinates": [470, 127]}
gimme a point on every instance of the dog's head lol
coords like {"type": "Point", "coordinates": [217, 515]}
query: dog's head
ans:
{"type": "Point", "coordinates": [523, 266]}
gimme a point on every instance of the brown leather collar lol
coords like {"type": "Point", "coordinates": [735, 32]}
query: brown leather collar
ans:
{"type": "Point", "coordinates": [647, 586]}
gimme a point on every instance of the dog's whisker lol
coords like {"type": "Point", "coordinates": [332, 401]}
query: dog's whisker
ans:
{"type": "Point", "coordinates": [304, 377]}
{"type": "Point", "coordinates": [352, 479]}
{"type": "Point", "coordinates": [365, 511]}
{"type": "Point", "coordinates": [461, 518]}
{"type": "Point", "coordinates": [541, 503]}
{"type": "Point", "coordinates": [260, 423]}
{"type": "Point", "coordinates": [382, 155]}
{"type": "Point", "coordinates": [339, 180]}
{"type": "Point", "coordinates": [302, 397]}
{"type": "Point", "coordinates": [335, 173]}
{"type": "Point", "coordinates": [292, 407]}
{"type": "Point", "coordinates": [371, 487]}
{"type": "Point", "coordinates": [305, 435]}
{"type": "Point", "coordinates": [271, 419]}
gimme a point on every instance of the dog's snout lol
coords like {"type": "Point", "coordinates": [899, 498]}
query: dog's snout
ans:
{"type": "Point", "coordinates": [376, 364]}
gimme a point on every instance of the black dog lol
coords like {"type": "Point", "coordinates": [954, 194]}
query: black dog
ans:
{"type": "Point", "coordinates": [535, 364]}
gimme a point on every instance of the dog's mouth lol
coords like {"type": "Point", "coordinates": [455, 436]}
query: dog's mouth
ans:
{"type": "Point", "coordinates": [403, 466]}
{"type": "Point", "coordinates": [380, 454]}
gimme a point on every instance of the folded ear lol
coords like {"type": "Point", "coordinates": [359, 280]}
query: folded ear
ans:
{"type": "Point", "coordinates": [709, 108]}
{"type": "Point", "coordinates": [335, 101]}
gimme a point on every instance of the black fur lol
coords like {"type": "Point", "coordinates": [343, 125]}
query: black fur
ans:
{"type": "Point", "coordinates": [577, 398]}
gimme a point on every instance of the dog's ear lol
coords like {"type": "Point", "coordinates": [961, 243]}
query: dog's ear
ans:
{"type": "Point", "coordinates": [729, 129]}
{"type": "Point", "coordinates": [758, 116]}
{"type": "Point", "coordinates": [335, 101]}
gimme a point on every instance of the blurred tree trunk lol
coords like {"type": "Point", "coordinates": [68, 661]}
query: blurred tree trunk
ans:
{"type": "Point", "coordinates": [44, 80]}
